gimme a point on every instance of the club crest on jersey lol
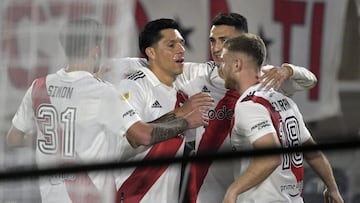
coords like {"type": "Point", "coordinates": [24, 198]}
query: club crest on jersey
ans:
{"type": "Point", "coordinates": [125, 96]}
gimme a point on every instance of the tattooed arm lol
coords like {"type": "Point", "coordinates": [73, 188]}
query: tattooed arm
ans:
{"type": "Point", "coordinates": [165, 127]}
{"type": "Point", "coordinates": [165, 118]}
{"type": "Point", "coordinates": [167, 130]}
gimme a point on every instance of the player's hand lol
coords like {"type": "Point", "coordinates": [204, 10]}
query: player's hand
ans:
{"type": "Point", "coordinates": [102, 70]}
{"type": "Point", "coordinates": [332, 196]}
{"type": "Point", "coordinates": [198, 117]}
{"type": "Point", "coordinates": [275, 77]}
{"type": "Point", "coordinates": [198, 100]}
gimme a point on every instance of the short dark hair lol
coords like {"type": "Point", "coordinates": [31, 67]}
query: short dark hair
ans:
{"type": "Point", "coordinates": [249, 44]}
{"type": "Point", "coordinates": [151, 32]}
{"type": "Point", "coordinates": [231, 19]}
{"type": "Point", "coordinates": [78, 36]}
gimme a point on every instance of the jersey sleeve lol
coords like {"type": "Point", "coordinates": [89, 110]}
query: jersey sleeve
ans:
{"type": "Point", "coordinates": [24, 117]}
{"type": "Point", "coordinates": [252, 121]}
{"type": "Point", "coordinates": [120, 68]}
{"type": "Point", "coordinates": [116, 113]}
{"type": "Point", "coordinates": [302, 79]}
{"type": "Point", "coordinates": [133, 93]}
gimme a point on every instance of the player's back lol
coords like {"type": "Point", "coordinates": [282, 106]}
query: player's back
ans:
{"type": "Point", "coordinates": [70, 130]}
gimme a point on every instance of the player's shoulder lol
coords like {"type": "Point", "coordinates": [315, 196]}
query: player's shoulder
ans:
{"type": "Point", "coordinates": [137, 81]}
{"type": "Point", "coordinates": [138, 75]}
{"type": "Point", "coordinates": [209, 65]}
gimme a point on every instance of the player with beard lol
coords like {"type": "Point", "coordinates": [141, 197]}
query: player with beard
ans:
{"type": "Point", "coordinates": [267, 119]}
{"type": "Point", "coordinates": [210, 180]}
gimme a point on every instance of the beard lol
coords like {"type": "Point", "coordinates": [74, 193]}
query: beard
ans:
{"type": "Point", "coordinates": [230, 83]}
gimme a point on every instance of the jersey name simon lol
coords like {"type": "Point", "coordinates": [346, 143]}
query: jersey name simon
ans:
{"type": "Point", "coordinates": [59, 91]}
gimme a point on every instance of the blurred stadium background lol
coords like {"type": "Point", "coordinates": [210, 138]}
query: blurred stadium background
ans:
{"type": "Point", "coordinates": [322, 35]}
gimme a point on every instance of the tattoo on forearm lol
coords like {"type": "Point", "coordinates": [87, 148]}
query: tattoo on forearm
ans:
{"type": "Point", "coordinates": [165, 118]}
{"type": "Point", "coordinates": [164, 131]}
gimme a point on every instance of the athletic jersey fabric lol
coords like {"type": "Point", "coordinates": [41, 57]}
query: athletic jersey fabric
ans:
{"type": "Point", "coordinates": [210, 182]}
{"type": "Point", "coordinates": [78, 119]}
{"type": "Point", "coordinates": [270, 112]}
{"type": "Point", "coordinates": [151, 99]}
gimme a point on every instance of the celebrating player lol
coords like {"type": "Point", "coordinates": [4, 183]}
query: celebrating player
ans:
{"type": "Point", "coordinates": [78, 118]}
{"type": "Point", "coordinates": [267, 119]}
{"type": "Point", "coordinates": [209, 181]}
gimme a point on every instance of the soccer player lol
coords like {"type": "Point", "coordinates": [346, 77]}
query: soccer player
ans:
{"type": "Point", "coordinates": [152, 93]}
{"type": "Point", "coordinates": [265, 119]}
{"type": "Point", "coordinates": [209, 181]}
{"type": "Point", "coordinates": [78, 118]}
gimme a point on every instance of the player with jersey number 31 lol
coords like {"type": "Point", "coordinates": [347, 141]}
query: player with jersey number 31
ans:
{"type": "Point", "coordinates": [78, 118]}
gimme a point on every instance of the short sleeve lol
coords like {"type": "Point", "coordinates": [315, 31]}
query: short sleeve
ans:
{"type": "Point", "coordinates": [121, 68]}
{"type": "Point", "coordinates": [116, 113]}
{"type": "Point", "coordinates": [24, 117]}
{"type": "Point", "coordinates": [252, 121]}
{"type": "Point", "coordinates": [133, 93]}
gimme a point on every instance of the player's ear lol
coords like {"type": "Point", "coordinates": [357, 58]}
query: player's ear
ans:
{"type": "Point", "coordinates": [150, 52]}
{"type": "Point", "coordinates": [238, 64]}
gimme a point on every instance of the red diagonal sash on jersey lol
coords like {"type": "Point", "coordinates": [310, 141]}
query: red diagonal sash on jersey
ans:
{"type": "Point", "coordinates": [275, 118]}
{"type": "Point", "coordinates": [39, 94]}
{"type": "Point", "coordinates": [142, 179]}
{"type": "Point", "coordinates": [213, 137]}
{"type": "Point", "coordinates": [40, 97]}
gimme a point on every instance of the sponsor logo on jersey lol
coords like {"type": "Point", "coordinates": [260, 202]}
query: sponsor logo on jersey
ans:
{"type": "Point", "coordinates": [205, 89]}
{"type": "Point", "coordinates": [129, 113]}
{"type": "Point", "coordinates": [156, 104]}
{"type": "Point", "coordinates": [293, 189]}
{"type": "Point", "coordinates": [221, 114]}
{"type": "Point", "coordinates": [260, 125]}
{"type": "Point", "coordinates": [125, 96]}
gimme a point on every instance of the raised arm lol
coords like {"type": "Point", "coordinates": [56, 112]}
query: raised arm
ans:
{"type": "Point", "coordinates": [287, 78]}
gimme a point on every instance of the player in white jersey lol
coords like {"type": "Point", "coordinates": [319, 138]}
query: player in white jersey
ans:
{"type": "Point", "coordinates": [78, 118]}
{"type": "Point", "coordinates": [212, 179]}
{"type": "Point", "coordinates": [151, 92]}
{"type": "Point", "coordinates": [267, 119]}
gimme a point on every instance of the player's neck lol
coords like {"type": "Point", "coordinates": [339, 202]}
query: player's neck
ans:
{"type": "Point", "coordinates": [246, 82]}
{"type": "Point", "coordinates": [163, 76]}
{"type": "Point", "coordinates": [79, 66]}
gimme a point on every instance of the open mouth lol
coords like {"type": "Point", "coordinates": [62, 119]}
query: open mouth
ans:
{"type": "Point", "coordinates": [179, 60]}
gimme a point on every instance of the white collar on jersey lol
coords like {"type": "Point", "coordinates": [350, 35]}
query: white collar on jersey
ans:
{"type": "Point", "coordinates": [73, 75]}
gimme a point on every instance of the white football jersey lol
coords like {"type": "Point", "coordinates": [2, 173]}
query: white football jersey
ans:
{"type": "Point", "coordinates": [151, 99]}
{"type": "Point", "coordinates": [258, 113]}
{"type": "Point", "coordinates": [203, 77]}
{"type": "Point", "coordinates": [78, 119]}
